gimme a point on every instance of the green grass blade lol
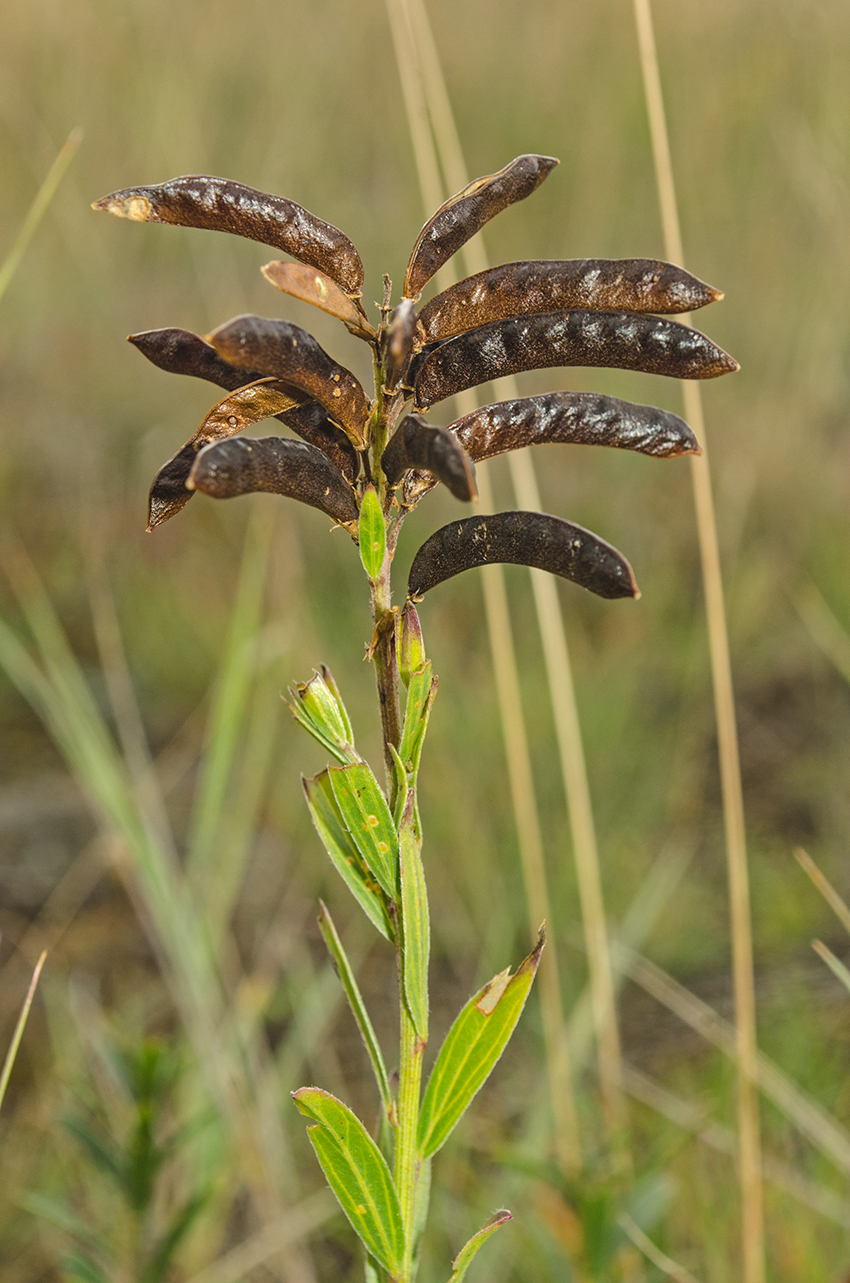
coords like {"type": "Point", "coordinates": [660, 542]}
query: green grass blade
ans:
{"type": "Point", "coordinates": [331, 828]}
{"type": "Point", "coordinates": [372, 533]}
{"type": "Point", "coordinates": [464, 1257]}
{"type": "Point", "coordinates": [357, 1005]}
{"type": "Point", "coordinates": [416, 927]}
{"type": "Point", "coordinates": [358, 1174]}
{"type": "Point", "coordinates": [19, 1029]}
{"type": "Point", "coordinates": [472, 1047]}
{"type": "Point", "coordinates": [38, 208]}
{"type": "Point", "coordinates": [367, 818]}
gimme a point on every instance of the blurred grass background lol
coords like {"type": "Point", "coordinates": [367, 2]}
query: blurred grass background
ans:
{"type": "Point", "coordinates": [305, 101]}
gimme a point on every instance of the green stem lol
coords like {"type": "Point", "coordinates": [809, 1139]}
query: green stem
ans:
{"type": "Point", "coordinates": [406, 1159]}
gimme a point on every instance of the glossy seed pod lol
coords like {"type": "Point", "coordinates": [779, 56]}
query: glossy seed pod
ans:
{"type": "Point", "coordinates": [525, 539]}
{"type": "Point", "coordinates": [311, 286]}
{"type": "Point", "coordinates": [598, 284]}
{"type": "Point", "coordinates": [464, 214]}
{"type": "Point", "coordinates": [289, 353]}
{"type": "Point", "coordinates": [579, 418]}
{"type": "Point", "coordinates": [402, 335]}
{"type": "Point", "coordinates": [618, 340]}
{"type": "Point", "coordinates": [182, 352]}
{"type": "Point", "coordinates": [277, 465]}
{"type": "Point", "coordinates": [418, 444]}
{"type": "Point", "coordinates": [239, 410]}
{"type": "Point", "coordinates": [217, 204]}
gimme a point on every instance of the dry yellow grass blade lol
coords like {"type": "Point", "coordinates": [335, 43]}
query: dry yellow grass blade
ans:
{"type": "Point", "coordinates": [752, 1203]}
{"type": "Point", "coordinates": [827, 890]}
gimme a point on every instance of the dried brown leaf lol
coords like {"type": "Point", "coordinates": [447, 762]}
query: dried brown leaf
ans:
{"type": "Point", "coordinates": [466, 213]}
{"type": "Point", "coordinates": [312, 286]}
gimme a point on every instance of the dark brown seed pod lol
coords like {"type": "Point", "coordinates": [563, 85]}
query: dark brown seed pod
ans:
{"type": "Point", "coordinates": [289, 353]}
{"type": "Point", "coordinates": [277, 465]}
{"type": "Point", "coordinates": [418, 444]}
{"type": "Point", "coordinates": [312, 286]}
{"type": "Point", "coordinates": [220, 205]}
{"type": "Point", "coordinates": [464, 214]}
{"type": "Point", "coordinates": [182, 352]}
{"type": "Point", "coordinates": [561, 418]}
{"type": "Point", "coordinates": [251, 404]}
{"type": "Point", "coordinates": [618, 340]}
{"type": "Point", "coordinates": [402, 337]}
{"type": "Point", "coordinates": [518, 289]}
{"type": "Point", "coordinates": [525, 539]}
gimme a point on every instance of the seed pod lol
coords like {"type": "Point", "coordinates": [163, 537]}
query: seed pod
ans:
{"type": "Point", "coordinates": [418, 444]}
{"type": "Point", "coordinates": [409, 646]}
{"type": "Point", "coordinates": [277, 465]}
{"type": "Point", "coordinates": [237, 411]}
{"type": "Point", "coordinates": [182, 352]}
{"type": "Point", "coordinates": [618, 340]}
{"type": "Point", "coordinates": [291, 354]}
{"type": "Point", "coordinates": [464, 214]}
{"type": "Point", "coordinates": [220, 205]}
{"type": "Point", "coordinates": [580, 418]}
{"type": "Point", "coordinates": [311, 286]}
{"type": "Point", "coordinates": [401, 339]}
{"type": "Point", "coordinates": [518, 289]}
{"type": "Point", "coordinates": [525, 539]}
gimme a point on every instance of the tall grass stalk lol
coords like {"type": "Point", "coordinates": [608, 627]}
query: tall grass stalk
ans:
{"type": "Point", "coordinates": [39, 207]}
{"type": "Point", "coordinates": [11, 1054]}
{"type": "Point", "coordinates": [752, 1209]}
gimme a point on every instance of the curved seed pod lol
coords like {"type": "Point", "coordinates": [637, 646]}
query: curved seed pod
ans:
{"type": "Point", "coordinates": [312, 286]}
{"type": "Point", "coordinates": [464, 214]}
{"type": "Point", "coordinates": [278, 465]}
{"type": "Point", "coordinates": [618, 340]}
{"type": "Point", "coordinates": [235, 412]}
{"type": "Point", "coordinates": [290, 353]}
{"type": "Point", "coordinates": [182, 352]}
{"type": "Point", "coordinates": [418, 444]}
{"type": "Point", "coordinates": [198, 200]}
{"type": "Point", "coordinates": [401, 341]}
{"type": "Point", "coordinates": [580, 418]}
{"type": "Point", "coordinates": [526, 539]}
{"type": "Point", "coordinates": [518, 289]}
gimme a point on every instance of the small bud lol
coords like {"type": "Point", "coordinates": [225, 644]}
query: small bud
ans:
{"type": "Point", "coordinates": [319, 709]}
{"type": "Point", "coordinates": [410, 648]}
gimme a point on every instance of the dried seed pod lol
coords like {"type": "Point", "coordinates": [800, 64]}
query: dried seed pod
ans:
{"type": "Point", "coordinates": [220, 205]}
{"type": "Point", "coordinates": [400, 343]}
{"type": "Point", "coordinates": [182, 352]}
{"type": "Point", "coordinates": [312, 286]}
{"type": "Point", "coordinates": [418, 444]}
{"type": "Point", "coordinates": [518, 289]}
{"type": "Point", "coordinates": [525, 539]}
{"type": "Point", "coordinates": [580, 418]}
{"type": "Point", "coordinates": [277, 465]}
{"type": "Point", "coordinates": [619, 340]}
{"type": "Point", "coordinates": [291, 354]}
{"type": "Point", "coordinates": [464, 214]}
{"type": "Point", "coordinates": [235, 412]}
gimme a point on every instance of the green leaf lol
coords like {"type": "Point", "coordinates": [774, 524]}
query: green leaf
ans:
{"type": "Point", "coordinates": [416, 928]}
{"type": "Point", "coordinates": [343, 712]}
{"type": "Point", "coordinates": [156, 1269]}
{"type": "Point", "coordinates": [345, 856]}
{"type": "Point", "coordinates": [316, 706]}
{"type": "Point", "coordinates": [409, 646]}
{"type": "Point", "coordinates": [420, 697]}
{"type": "Point", "coordinates": [472, 1047]}
{"type": "Point", "coordinates": [367, 817]}
{"type": "Point", "coordinates": [399, 785]}
{"type": "Point", "coordinates": [358, 1174]}
{"type": "Point", "coordinates": [462, 1261]}
{"type": "Point", "coordinates": [372, 534]}
{"type": "Point", "coordinates": [80, 1267]}
{"type": "Point", "coordinates": [356, 1003]}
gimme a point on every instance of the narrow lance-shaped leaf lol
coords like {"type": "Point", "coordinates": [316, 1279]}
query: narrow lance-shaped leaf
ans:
{"type": "Point", "coordinates": [466, 213]}
{"type": "Point", "coordinates": [217, 204]}
{"type": "Point", "coordinates": [367, 817]}
{"type": "Point", "coordinates": [182, 352]}
{"type": "Point", "coordinates": [357, 1172]}
{"type": "Point", "coordinates": [464, 1258]}
{"type": "Point", "coordinates": [472, 1047]}
{"type": "Point", "coordinates": [421, 693]}
{"type": "Point", "coordinates": [311, 286]}
{"type": "Point", "coordinates": [618, 340]}
{"type": "Point", "coordinates": [372, 533]}
{"type": "Point", "coordinates": [517, 289]}
{"type": "Point", "coordinates": [250, 404]}
{"type": "Point", "coordinates": [286, 351]}
{"type": "Point", "coordinates": [525, 539]}
{"type": "Point", "coordinates": [317, 707]}
{"type": "Point", "coordinates": [576, 418]}
{"type": "Point", "coordinates": [419, 444]}
{"type": "Point", "coordinates": [277, 465]}
{"type": "Point", "coordinates": [416, 927]}
{"type": "Point", "coordinates": [344, 855]}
